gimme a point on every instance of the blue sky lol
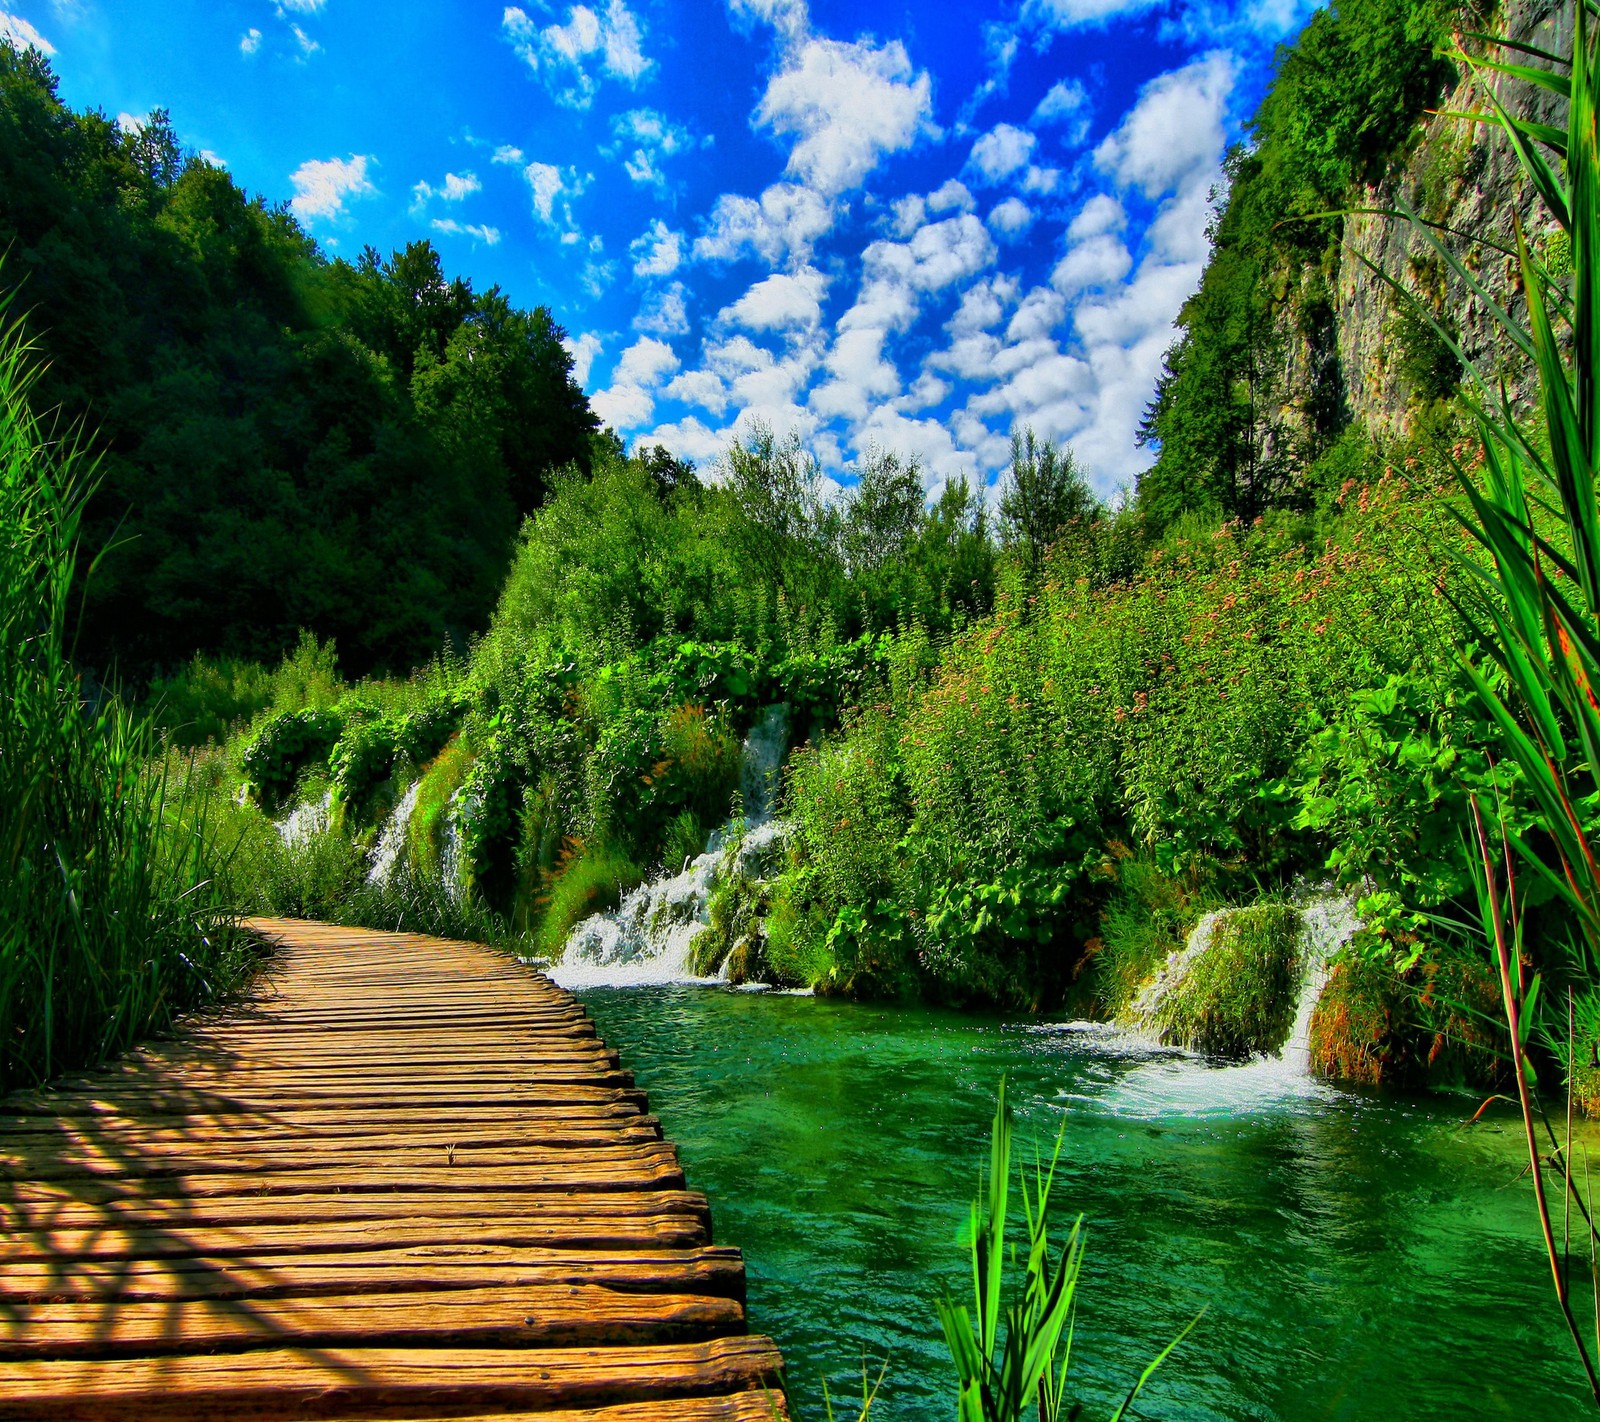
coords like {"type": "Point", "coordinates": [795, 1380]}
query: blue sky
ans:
{"type": "Point", "coordinates": [882, 225]}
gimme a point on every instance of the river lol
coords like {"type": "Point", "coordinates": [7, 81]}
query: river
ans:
{"type": "Point", "coordinates": [1359, 1256]}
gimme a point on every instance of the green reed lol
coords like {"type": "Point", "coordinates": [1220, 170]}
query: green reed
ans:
{"type": "Point", "coordinates": [110, 916]}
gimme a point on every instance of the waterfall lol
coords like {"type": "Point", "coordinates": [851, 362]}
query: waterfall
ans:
{"type": "Point", "coordinates": [392, 841]}
{"type": "Point", "coordinates": [306, 819]}
{"type": "Point", "coordinates": [1327, 923]}
{"type": "Point", "coordinates": [648, 937]}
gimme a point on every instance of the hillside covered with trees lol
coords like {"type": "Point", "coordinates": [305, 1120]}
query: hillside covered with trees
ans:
{"type": "Point", "coordinates": [375, 426]}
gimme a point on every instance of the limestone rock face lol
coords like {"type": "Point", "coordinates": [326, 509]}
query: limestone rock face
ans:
{"type": "Point", "coordinates": [1464, 177]}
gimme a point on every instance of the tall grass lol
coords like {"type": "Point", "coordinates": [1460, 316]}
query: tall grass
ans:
{"type": "Point", "coordinates": [1533, 524]}
{"type": "Point", "coordinates": [110, 918]}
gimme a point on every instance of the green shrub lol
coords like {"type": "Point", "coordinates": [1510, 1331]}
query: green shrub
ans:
{"type": "Point", "coordinates": [285, 747]}
{"type": "Point", "coordinates": [592, 880]}
{"type": "Point", "coordinates": [1238, 997]}
{"type": "Point", "coordinates": [204, 701]}
{"type": "Point", "coordinates": [1148, 916]}
{"type": "Point", "coordinates": [362, 759]}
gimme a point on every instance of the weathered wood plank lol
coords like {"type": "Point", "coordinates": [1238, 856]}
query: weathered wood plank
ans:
{"type": "Point", "coordinates": [382, 1382]}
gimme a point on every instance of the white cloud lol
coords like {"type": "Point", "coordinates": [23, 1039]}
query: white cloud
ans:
{"type": "Point", "coordinates": [783, 224]}
{"type": "Point", "coordinates": [479, 232]}
{"type": "Point", "coordinates": [597, 276]}
{"type": "Point", "coordinates": [322, 186]}
{"type": "Point", "coordinates": [250, 41]}
{"type": "Point", "coordinates": [130, 123]}
{"type": "Point", "coordinates": [911, 211]}
{"type": "Point", "coordinates": [553, 189]}
{"type": "Point", "coordinates": [302, 7]}
{"type": "Point", "coordinates": [1175, 129]}
{"type": "Point", "coordinates": [1068, 14]}
{"type": "Point", "coordinates": [646, 362]}
{"type": "Point", "coordinates": [788, 17]}
{"type": "Point", "coordinates": [455, 188]}
{"type": "Point", "coordinates": [570, 57]}
{"type": "Point", "coordinates": [215, 160]}
{"type": "Point", "coordinates": [507, 153]}
{"type": "Point", "coordinates": [583, 350]}
{"type": "Point", "coordinates": [689, 439]}
{"type": "Point", "coordinates": [23, 35]}
{"type": "Point", "coordinates": [704, 388]}
{"type": "Point", "coordinates": [781, 302]}
{"type": "Point", "coordinates": [628, 401]}
{"type": "Point", "coordinates": [308, 46]}
{"type": "Point", "coordinates": [1067, 99]}
{"type": "Point", "coordinates": [651, 137]}
{"type": "Point", "coordinates": [1102, 213]}
{"type": "Point", "coordinates": [657, 252]}
{"type": "Point", "coordinates": [846, 105]}
{"type": "Point", "coordinates": [1001, 151]}
{"type": "Point", "coordinates": [664, 313]}
{"type": "Point", "coordinates": [1012, 217]}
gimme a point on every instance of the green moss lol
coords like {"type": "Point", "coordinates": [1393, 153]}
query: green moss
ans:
{"type": "Point", "coordinates": [1147, 918]}
{"type": "Point", "coordinates": [441, 778]}
{"type": "Point", "coordinates": [593, 880]}
{"type": "Point", "coordinates": [737, 934]}
{"type": "Point", "coordinates": [797, 932]}
{"type": "Point", "coordinates": [1238, 996]}
{"type": "Point", "coordinates": [1434, 1024]}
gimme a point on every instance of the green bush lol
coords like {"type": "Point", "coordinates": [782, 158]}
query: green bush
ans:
{"type": "Point", "coordinates": [593, 880]}
{"type": "Point", "coordinates": [285, 747]}
{"type": "Point", "coordinates": [360, 761]}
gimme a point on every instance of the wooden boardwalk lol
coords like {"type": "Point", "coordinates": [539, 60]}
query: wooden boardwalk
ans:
{"type": "Point", "coordinates": [406, 1180]}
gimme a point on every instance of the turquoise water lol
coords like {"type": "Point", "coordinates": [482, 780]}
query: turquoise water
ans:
{"type": "Point", "coordinates": [1358, 1256]}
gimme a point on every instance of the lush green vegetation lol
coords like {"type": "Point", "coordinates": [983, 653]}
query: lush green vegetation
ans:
{"type": "Point", "coordinates": [376, 424]}
{"type": "Point", "coordinates": [111, 917]}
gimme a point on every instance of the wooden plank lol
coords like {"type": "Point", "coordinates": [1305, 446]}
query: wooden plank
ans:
{"type": "Point", "coordinates": [639, 1230]}
{"type": "Point", "coordinates": [584, 1315]}
{"type": "Point", "coordinates": [383, 1382]}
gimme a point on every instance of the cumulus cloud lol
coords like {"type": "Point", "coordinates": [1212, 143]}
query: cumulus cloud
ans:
{"type": "Point", "coordinates": [23, 35]}
{"type": "Point", "coordinates": [1011, 218]}
{"type": "Point", "coordinates": [322, 186]}
{"type": "Point", "coordinates": [1070, 14]}
{"type": "Point", "coordinates": [1175, 129]}
{"type": "Point", "coordinates": [456, 187]}
{"type": "Point", "coordinates": [781, 302]}
{"type": "Point", "coordinates": [783, 224]}
{"type": "Point", "coordinates": [911, 211]}
{"type": "Point", "coordinates": [250, 41]}
{"type": "Point", "coordinates": [788, 17]}
{"type": "Point", "coordinates": [689, 439]}
{"type": "Point", "coordinates": [644, 138]}
{"type": "Point", "coordinates": [845, 105]}
{"type": "Point", "coordinates": [583, 350]}
{"type": "Point", "coordinates": [571, 57]}
{"type": "Point", "coordinates": [478, 231]}
{"type": "Point", "coordinates": [553, 189]}
{"type": "Point", "coordinates": [664, 312]}
{"type": "Point", "coordinates": [657, 252]}
{"type": "Point", "coordinates": [1001, 152]}
{"type": "Point", "coordinates": [629, 400]}
{"type": "Point", "coordinates": [1067, 106]}
{"type": "Point", "coordinates": [507, 153]}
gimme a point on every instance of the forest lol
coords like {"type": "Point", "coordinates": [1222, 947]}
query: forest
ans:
{"type": "Point", "coordinates": [1029, 742]}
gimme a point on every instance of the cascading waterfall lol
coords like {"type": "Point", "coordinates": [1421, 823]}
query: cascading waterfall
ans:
{"type": "Point", "coordinates": [648, 937]}
{"type": "Point", "coordinates": [392, 840]}
{"type": "Point", "coordinates": [1326, 923]}
{"type": "Point", "coordinates": [306, 819]}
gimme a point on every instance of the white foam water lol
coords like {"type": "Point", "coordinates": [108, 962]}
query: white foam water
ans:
{"type": "Point", "coordinates": [306, 819]}
{"type": "Point", "coordinates": [392, 839]}
{"type": "Point", "coordinates": [647, 939]}
{"type": "Point", "coordinates": [1177, 1080]}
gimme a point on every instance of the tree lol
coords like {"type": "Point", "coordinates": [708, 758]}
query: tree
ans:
{"type": "Point", "coordinates": [1047, 495]}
